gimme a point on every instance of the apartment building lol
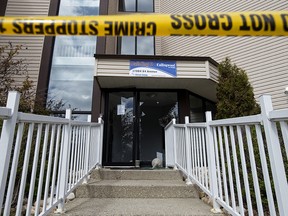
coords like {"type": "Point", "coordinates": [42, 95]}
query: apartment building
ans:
{"type": "Point", "coordinates": [138, 84]}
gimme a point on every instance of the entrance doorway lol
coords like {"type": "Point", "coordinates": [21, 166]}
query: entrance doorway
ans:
{"type": "Point", "coordinates": [156, 110]}
{"type": "Point", "coordinates": [135, 122]}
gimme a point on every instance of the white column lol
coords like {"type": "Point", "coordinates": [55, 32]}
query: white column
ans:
{"type": "Point", "coordinates": [6, 141]}
{"type": "Point", "coordinates": [65, 163]}
{"type": "Point", "coordinates": [174, 145]}
{"type": "Point", "coordinates": [88, 148]}
{"type": "Point", "coordinates": [275, 155]}
{"type": "Point", "coordinates": [188, 151]}
{"type": "Point", "coordinates": [100, 144]}
{"type": "Point", "coordinates": [212, 164]}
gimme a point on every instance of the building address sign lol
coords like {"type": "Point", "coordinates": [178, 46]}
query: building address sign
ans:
{"type": "Point", "coordinates": [153, 68]}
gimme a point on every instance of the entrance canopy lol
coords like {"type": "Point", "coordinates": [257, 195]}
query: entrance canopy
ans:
{"type": "Point", "coordinates": [196, 74]}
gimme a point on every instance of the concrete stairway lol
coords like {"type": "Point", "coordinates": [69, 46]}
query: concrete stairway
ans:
{"type": "Point", "coordinates": [136, 192]}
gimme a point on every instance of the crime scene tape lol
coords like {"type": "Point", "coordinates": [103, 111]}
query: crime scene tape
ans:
{"type": "Point", "coordinates": [266, 23]}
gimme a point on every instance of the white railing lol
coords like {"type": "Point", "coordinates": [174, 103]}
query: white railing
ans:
{"type": "Point", "coordinates": [169, 144]}
{"type": "Point", "coordinates": [240, 163]}
{"type": "Point", "coordinates": [45, 160]}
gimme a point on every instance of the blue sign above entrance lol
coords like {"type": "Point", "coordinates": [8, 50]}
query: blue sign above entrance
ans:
{"type": "Point", "coordinates": [152, 68]}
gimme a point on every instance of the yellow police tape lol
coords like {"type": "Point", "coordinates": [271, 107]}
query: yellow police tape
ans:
{"type": "Point", "coordinates": [267, 23]}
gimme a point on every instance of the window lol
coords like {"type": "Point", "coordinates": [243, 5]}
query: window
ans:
{"type": "Point", "coordinates": [71, 76]}
{"type": "Point", "coordinates": [136, 5]}
{"type": "Point", "coordinates": [130, 45]}
{"type": "Point", "coordinates": [210, 106]}
{"type": "Point", "coordinates": [196, 109]}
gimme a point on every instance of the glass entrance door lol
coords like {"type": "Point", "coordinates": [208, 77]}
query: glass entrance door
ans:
{"type": "Point", "coordinates": [156, 110]}
{"type": "Point", "coordinates": [120, 144]}
{"type": "Point", "coordinates": [135, 122]}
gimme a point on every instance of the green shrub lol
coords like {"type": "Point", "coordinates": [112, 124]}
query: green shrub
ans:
{"type": "Point", "coordinates": [234, 93]}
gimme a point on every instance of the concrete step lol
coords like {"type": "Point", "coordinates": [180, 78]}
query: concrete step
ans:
{"type": "Point", "coordinates": [158, 174]}
{"type": "Point", "coordinates": [147, 207]}
{"type": "Point", "coordinates": [136, 192]}
{"type": "Point", "coordinates": [136, 189]}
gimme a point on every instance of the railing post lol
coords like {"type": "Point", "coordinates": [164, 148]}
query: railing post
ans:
{"type": "Point", "coordinates": [212, 163]}
{"type": "Point", "coordinates": [275, 155]}
{"type": "Point", "coordinates": [100, 144]}
{"type": "Point", "coordinates": [174, 145]}
{"type": "Point", "coordinates": [169, 156]}
{"type": "Point", "coordinates": [6, 141]}
{"type": "Point", "coordinates": [188, 152]}
{"type": "Point", "coordinates": [88, 147]}
{"type": "Point", "coordinates": [65, 163]}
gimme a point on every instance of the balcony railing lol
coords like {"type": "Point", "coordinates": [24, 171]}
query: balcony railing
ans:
{"type": "Point", "coordinates": [43, 159]}
{"type": "Point", "coordinates": [240, 163]}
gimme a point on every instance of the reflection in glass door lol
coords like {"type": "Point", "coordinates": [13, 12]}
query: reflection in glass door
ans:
{"type": "Point", "coordinates": [156, 110]}
{"type": "Point", "coordinates": [120, 129]}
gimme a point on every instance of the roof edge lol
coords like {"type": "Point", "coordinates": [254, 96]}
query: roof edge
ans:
{"type": "Point", "coordinates": [158, 57]}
